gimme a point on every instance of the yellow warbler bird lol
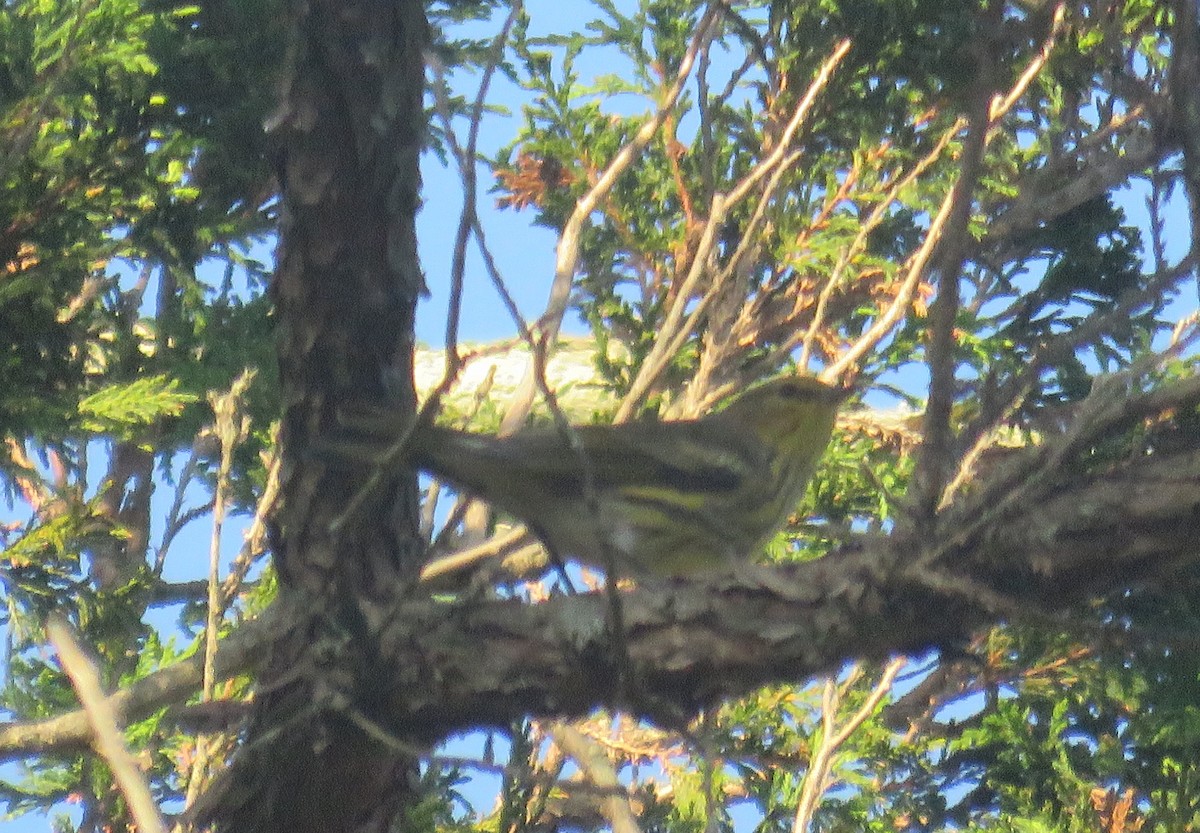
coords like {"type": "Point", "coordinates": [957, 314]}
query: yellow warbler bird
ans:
{"type": "Point", "coordinates": [657, 498]}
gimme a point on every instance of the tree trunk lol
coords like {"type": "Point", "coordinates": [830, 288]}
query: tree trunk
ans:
{"type": "Point", "coordinates": [348, 136]}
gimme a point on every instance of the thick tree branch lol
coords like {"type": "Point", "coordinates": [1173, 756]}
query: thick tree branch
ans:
{"type": "Point", "coordinates": [243, 650]}
{"type": "Point", "coordinates": [1129, 525]}
{"type": "Point", "coordinates": [450, 667]}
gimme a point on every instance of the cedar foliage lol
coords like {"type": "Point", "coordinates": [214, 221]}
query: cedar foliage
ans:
{"type": "Point", "coordinates": [134, 168]}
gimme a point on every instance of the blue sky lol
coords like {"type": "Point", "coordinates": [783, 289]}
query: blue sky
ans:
{"type": "Point", "coordinates": [526, 257]}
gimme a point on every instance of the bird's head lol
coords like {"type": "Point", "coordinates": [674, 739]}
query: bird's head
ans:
{"type": "Point", "coordinates": [794, 413]}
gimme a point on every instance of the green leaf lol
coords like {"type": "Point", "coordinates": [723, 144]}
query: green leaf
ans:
{"type": "Point", "coordinates": [120, 408]}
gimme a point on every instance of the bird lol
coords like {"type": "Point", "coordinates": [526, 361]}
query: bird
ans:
{"type": "Point", "coordinates": [669, 498]}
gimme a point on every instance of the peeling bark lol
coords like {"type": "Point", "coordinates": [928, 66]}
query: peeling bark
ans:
{"type": "Point", "coordinates": [348, 134]}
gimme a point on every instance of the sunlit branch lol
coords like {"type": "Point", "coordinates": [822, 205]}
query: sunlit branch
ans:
{"type": "Point", "coordinates": [106, 731]}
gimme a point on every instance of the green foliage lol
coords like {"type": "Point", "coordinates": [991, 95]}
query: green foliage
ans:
{"type": "Point", "coordinates": [115, 133]}
{"type": "Point", "coordinates": [132, 166]}
{"type": "Point", "coordinates": [442, 807]}
{"type": "Point", "coordinates": [1042, 281]}
{"type": "Point", "coordinates": [635, 256]}
{"type": "Point", "coordinates": [135, 194]}
{"type": "Point", "coordinates": [118, 409]}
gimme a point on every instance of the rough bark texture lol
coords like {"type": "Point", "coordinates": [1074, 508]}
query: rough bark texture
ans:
{"type": "Point", "coordinates": [348, 135]}
{"type": "Point", "coordinates": [1039, 536]}
{"type": "Point", "coordinates": [360, 672]}
{"type": "Point", "coordinates": [1043, 560]}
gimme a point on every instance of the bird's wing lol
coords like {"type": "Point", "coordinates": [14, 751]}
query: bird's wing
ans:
{"type": "Point", "coordinates": [680, 456]}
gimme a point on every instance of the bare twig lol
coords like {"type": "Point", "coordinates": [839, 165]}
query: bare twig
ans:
{"type": "Point", "coordinates": [598, 769]}
{"type": "Point", "coordinates": [469, 222]}
{"type": "Point", "coordinates": [239, 651]}
{"type": "Point", "coordinates": [177, 517]}
{"type": "Point", "coordinates": [1001, 105]}
{"type": "Point", "coordinates": [919, 261]}
{"type": "Point", "coordinates": [773, 163]}
{"type": "Point", "coordinates": [468, 217]}
{"type": "Point", "coordinates": [392, 455]}
{"type": "Point", "coordinates": [106, 730]}
{"type": "Point", "coordinates": [676, 328]}
{"type": "Point", "coordinates": [816, 781]}
{"type": "Point", "coordinates": [231, 428]}
{"type": "Point", "coordinates": [34, 490]}
{"type": "Point", "coordinates": [567, 256]}
{"type": "Point", "coordinates": [896, 311]}
{"type": "Point", "coordinates": [942, 351]}
{"type": "Point", "coordinates": [497, 546]}
{"type": "Point", "coordinates": [254, 540]}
